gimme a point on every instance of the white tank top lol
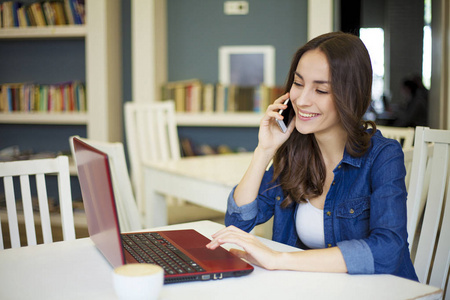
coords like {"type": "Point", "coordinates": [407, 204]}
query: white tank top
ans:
{"type": "Point", "coordinates": [309, 225]}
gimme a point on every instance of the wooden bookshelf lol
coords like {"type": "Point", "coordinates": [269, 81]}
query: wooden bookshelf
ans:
{"type": "Point", "coordinates": [62, 118]}
{"type": "Point", "coordinates": [102, 37]}
{"type": "Point", "coordinates": [198, 104]}
{"type": "Point", "coordinates": [44, 32]}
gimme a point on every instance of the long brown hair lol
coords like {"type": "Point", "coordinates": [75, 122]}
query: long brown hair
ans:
{"type": "Point", "coordinates": [298, 163]}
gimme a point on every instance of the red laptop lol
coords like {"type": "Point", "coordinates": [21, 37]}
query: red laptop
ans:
{"type": "Point", "coordinates": [181, 253]}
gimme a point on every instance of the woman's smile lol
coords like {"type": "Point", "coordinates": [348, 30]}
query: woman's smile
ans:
{"type": "Point", "coordinates": [304, 115]}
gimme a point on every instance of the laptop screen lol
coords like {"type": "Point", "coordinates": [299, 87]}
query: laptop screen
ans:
{"type": "Point", "coordinates": [98, 197]}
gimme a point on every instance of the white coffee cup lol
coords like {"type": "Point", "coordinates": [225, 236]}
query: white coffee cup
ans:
{"type": "Point", "coordinates": [138, 281]}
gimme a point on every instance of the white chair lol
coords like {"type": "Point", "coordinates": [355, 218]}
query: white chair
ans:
{"type": "Point", "coordinates": [408, 157]}
{"type": "Point", "coordinates": [37, 168]}
{"type": "Point", "coordinates": [152, 135]}
{"type": "Point", "coordinates": [128, 213]}
{"type": "Point", "coordinates": [405, 135]}
{"type": "Point", "coordinates": [429, 216]}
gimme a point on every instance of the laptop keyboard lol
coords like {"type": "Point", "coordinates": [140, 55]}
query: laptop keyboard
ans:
{"type": "Point", "coordinates": [151, 247]}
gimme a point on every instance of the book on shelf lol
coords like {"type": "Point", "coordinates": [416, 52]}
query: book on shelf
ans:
{"type": "Point", "coordinates": [30, 97]}
{"type": "Point", "coordinates": [186, 94]}
{"type": "Point", "coordinates": [36, 10]}
{"type": "Point", "coordinates": [9, 16]}
{"type": "Point", "coordinates": [69, 14]}
{"type": "Point", "coordinates": [190, 148]}
{"type": "Point", "coordinates": [58, 10]}
{"type": "Point", "coordinates": [219, 102]}
{"type": "Point", "coordinates": [194, 96]}
{"type": "Point", "coordinates": [208, 97]}
{"type": "Point", "coordinates": [22, 17]}
{"type": "Point", "coordinates": [49, 13]}
{"type": "Point", "coordinates": [42, 13]}
{"type": "Point", "coordinates": [74, 11]}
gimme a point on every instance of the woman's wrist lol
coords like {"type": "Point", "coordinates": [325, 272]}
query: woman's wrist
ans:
{"type": "Point", "coordinates": [264, 154]}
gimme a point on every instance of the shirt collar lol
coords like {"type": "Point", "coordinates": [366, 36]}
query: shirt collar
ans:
{"type": "Point", "coordinates": [351, 160]}
{"type": "Point", "coordinates": [355, 161]}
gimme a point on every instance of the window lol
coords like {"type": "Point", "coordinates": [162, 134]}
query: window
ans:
{"type": "Point", "coordinates": [426, 61]}
{"type": "Point", "coordinates": [373, 38]}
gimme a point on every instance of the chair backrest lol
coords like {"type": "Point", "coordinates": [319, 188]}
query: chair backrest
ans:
{"type": "Point", "coordinates": [405, 135]}
{"type": "Point", "coordinates": [129, 216]}
{"type": "Point", "coordinates": [152, 135]}
{"type": "Point", "coordinates": [408, 156]}
{"type": "Point", "coordinates": [429, 227]}
{"type": "Point", "coordinates": [37, 168]}
{"type": "Point", "coordinates": [409, 153]}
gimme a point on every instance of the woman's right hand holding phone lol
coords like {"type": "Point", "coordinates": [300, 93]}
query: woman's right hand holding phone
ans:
{"type": "Point", "coordinates": [270, 136]}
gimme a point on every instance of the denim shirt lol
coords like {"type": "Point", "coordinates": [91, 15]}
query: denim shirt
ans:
{"type": "Point", "coordinates": [364, 212]}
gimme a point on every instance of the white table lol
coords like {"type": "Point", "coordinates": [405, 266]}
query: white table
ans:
{"type": "Point", "coordinates": [76, 270]}
{"type": "Point", "coordinates": [203, 180]}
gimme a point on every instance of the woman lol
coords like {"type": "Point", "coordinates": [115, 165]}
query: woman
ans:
{"type": "Point", "coordinates": [336, 187]}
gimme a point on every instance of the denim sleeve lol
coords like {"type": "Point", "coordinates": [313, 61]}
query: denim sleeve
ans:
{"type": "Point", "coordinates": [358, 256]}
{"type": "Point", "coordinates": [246, 212]}
{"type": "Point", "coordinates": [260, 210]}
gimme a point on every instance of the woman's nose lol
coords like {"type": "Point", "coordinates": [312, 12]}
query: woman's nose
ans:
{"type": "Point", "coordinates": [303, 98]}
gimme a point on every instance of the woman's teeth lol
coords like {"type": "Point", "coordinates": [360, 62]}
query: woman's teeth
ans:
{"type": "Point", "coordinates": [305, 115]}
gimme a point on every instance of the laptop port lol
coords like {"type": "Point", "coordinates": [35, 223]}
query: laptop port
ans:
{"type": "Point", "coordinates": [206, 277]}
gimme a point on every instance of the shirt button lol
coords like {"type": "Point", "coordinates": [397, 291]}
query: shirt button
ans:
{"type": "Point", "coordinates": [352, 211]}
{"type": "Point", "coordinates": [278, 198]}
{"type": "Point", "coordinates": [328, 213]}
{"type": "Point", "coordinates": [339, 166]}
{"type": "Point", "coordinates": [334, 182]}
{"type": "Point", "coordinates": [329, 245]}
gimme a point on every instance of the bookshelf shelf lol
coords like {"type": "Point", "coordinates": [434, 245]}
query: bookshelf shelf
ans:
{"type": "Point", "coordinates": [217, 119]}
{"type": "Point", "coordinates": [47, 32]}
{"type": "Point", "coordinates": [63, 118]}
{"type": "Point", "coordinates": [101, 34]}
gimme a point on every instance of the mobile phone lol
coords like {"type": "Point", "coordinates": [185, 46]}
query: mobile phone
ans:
{"type": "Point", "coordinates": [287, 113]}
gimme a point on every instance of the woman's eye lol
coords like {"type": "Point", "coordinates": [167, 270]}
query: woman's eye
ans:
{"type": "Point", "coordinates": [321, 92]}
{"type": "Point", "coordinates": [298, 83]}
